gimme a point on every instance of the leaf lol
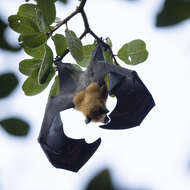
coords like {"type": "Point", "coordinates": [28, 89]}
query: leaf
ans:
{"type": "Point", "coordinates": [15, 126]}
{"type": "Point", "coordinates": [40, 19]}
{"type": "Point", "coordinates": [55, 87]}
{"type": "Point", "coordinates": [31, 86]}
{"type": "Point", "coordinates": [108, 41]}
{"type": "Point", "coordinates": [22, 24]}
{"type": "Point", "coordinates": [3, 42]}
{"type": "Point", "coordinates": [133, 52]}
{"type": "Point", "coordinates": [173, 12]}
{"type": "Point", "coordinates": [101, 181]}
{"type": "Point", "coordinates": [108, 56]}
{"type": "Point", "coordinates": [48, 10]}
{"type": "Point", "coordinates": [60, 43]}
{"type": "Point", "coordinates": [74, 45]}
{"type": "Point", "coordinates": [107, 81]}
{"type": "Point", "coordinates": [28, 10]}
{"type": "Point", "coordinates": [27, 66]}
{"type": "Point", "coordinates": [8, 82]}
{"type": "Point", "coordinates": [46, 65]}
{"type": "Point", "coordinates": [33, 40]}
{"type": "Point", "coordinates": [87, 51]}
{"type": "Point", "coordinates": [37, 52]}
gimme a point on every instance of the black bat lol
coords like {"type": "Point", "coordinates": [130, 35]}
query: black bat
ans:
{"type": "Point", "coordinates": [134, 101]}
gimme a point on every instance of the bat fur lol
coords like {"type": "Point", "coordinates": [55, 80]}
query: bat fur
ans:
{"type": "Point", "coordinates": [91, 102]}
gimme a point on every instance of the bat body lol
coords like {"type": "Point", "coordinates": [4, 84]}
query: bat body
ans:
{"type": "Point", "coordinates": [91, 102]}
{"type": "Point", "coordinates": [134, 101]}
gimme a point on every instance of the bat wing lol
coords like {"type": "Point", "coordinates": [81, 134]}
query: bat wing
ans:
{"type": "Point", "coordinates": [62, 151]}
{"type": "Point", "coordinates": [134, 101]}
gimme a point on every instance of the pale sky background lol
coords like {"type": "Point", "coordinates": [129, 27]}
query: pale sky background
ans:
{"type": "Point", "coordinates": [154, 156]}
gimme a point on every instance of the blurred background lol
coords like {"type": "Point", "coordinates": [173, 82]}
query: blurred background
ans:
{"type": "Point", "coordinates": [154, 156]}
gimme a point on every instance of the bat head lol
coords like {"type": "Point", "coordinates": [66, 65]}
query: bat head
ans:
{"type": "Point", "coordinates": [98, 114]}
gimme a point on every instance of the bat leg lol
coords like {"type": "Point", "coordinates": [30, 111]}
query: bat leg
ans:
{"type": "Point", "coordinates": [64, 152]}
{"type": "Point", "coordinates": [134, 101]}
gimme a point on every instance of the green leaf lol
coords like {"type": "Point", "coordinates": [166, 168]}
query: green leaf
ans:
{"type": "Point", "coordinates": [107, 81]}
{"type": "Point", "coordinates": [60, 43]}
{"type": "Point", "coordinates": [8, 82]}
{"type": "Point", "coordinates": [46, 66]}
{"type": "Point", "coordinates": [15, 126]}
{"type": "Point", "coordinates": [74, 45]}
{"type": "Point", "coordinates": [40, 19]}
{"type": "Point", "coordinates": [108, 56]}
{"type": "Point", "coordinates": [4, 44]}
{"type": "Point", "coordinates": [27, 66]}
{"type": "Point", "coordinates": [37, 52]}
{"type": "Point", "coordinates": [33, 40]}
{"type": "Point", "coordinates": [173, 12]}
{"type": "Point", "coordinates": [108, 41]}
{"type": "Point", "coordinates": [22, 24]}
{"type": "Point", "coordinates": [133, 52]}
{"type": "Point", "coordinates": [28, 10]}
{"type": "Point", "coordinates": [48, 10]}
{"type": "Point", "coordinates": [87, 51]}
{"type": "Point", "coordinates": [32, 11]}
{"type": "Point", "coordinates": [31, 86]}
{"type": "Point", "coordinates": [101, 181]}
{"type": "Point", "coordinates": [55, 87]}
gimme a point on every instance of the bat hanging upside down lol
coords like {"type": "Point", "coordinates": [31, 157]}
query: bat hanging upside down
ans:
{"type": "Point", "coordinates": [87, 92]}
{"type": "Point", "coordinates": [91, 102]}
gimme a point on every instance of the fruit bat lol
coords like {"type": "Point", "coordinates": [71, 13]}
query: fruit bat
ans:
{"type": "Point", "coordinates": [134, 101]}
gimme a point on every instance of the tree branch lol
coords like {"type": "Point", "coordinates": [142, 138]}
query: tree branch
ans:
{"type": "Point", "coordinates": [80, 9]}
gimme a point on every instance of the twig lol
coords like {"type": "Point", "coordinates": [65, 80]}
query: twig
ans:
{"type": "Point", "coordinates": [80, 9]}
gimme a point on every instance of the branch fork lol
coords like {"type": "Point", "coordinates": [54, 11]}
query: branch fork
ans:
{"type": "Point", "coordinates": [87, 30]}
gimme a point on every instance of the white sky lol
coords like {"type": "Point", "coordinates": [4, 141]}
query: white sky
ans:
{"type": "Point", "coordinates": [154, 156]}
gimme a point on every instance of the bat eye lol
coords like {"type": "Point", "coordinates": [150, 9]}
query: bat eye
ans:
{"type": "Point", "coordinates": [87, 120]}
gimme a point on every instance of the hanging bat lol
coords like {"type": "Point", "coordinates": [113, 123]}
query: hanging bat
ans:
{"type": "Point", "coordinates": [87, 92]}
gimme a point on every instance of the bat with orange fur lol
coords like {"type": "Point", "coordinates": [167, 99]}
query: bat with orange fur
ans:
{"type": "Point", "coordinates": [87, 92]}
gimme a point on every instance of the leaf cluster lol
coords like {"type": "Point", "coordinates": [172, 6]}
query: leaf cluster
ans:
{"type": "Point", "coordinates": [37, 24]}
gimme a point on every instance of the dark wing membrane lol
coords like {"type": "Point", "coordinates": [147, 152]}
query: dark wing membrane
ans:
{"type": "Point", "coordinates": [64, 152]}
{"type": "Point", "coordinates": [134, 101]}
